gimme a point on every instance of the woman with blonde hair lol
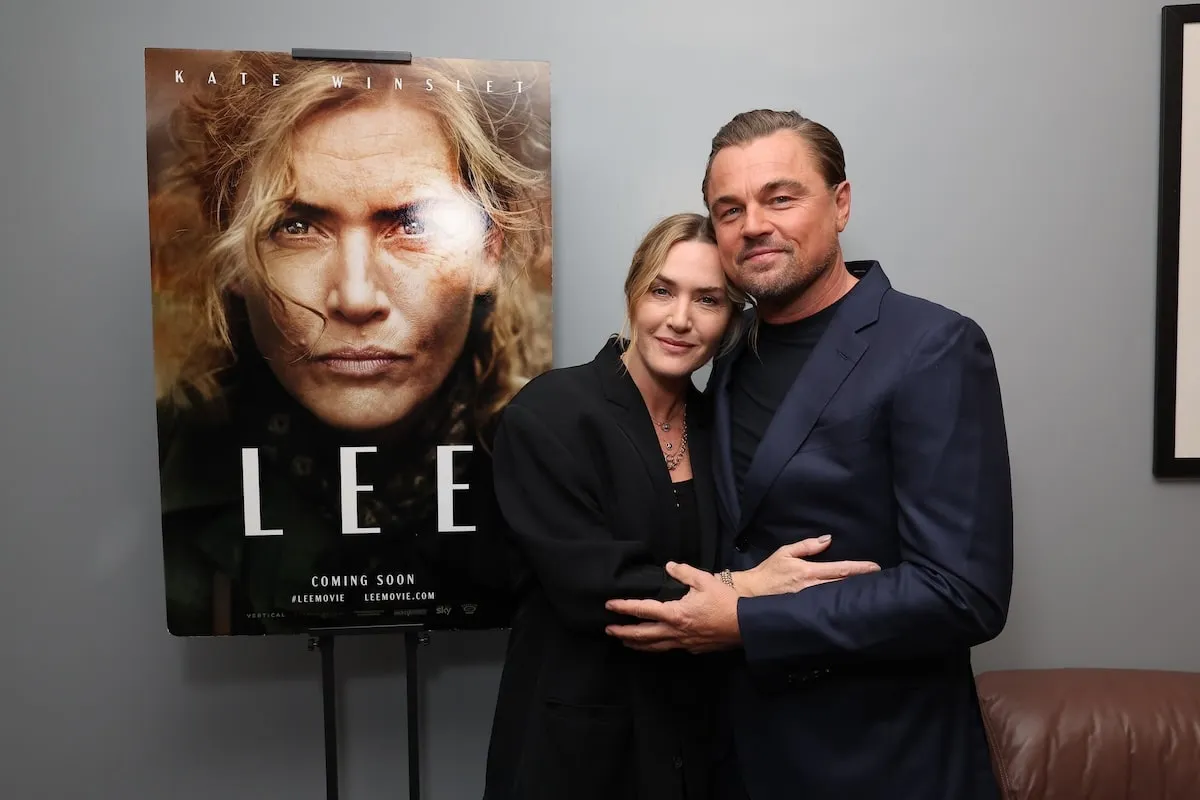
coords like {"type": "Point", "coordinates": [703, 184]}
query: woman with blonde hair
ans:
{"type": "Point", "coordinates": [603, 475]}
{"type": "Point", "coordinates": [343, 255]}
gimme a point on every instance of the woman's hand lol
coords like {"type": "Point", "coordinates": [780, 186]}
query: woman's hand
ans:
{"type": "Point", "coordinates": [786, 570]}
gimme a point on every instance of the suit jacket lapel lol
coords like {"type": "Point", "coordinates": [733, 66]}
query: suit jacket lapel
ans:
{"type": "Point", "coordinates": [718, 390]}
{"type": "Point", "coordinates": [700, 440]}
{"type": "Point", "coordinates": [623, 393]}
{"type": "Point", "coordinates": [835, 355]}
{"type": "Point", "coordinates": [634, 419]}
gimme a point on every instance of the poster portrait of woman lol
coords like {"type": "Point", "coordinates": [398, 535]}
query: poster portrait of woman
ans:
{"type": "Point", "coordinates": [350, 271]}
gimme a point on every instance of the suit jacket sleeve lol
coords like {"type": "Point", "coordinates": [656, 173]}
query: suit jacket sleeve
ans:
{"type": "Point", "coordinates": [953, 496]}
{"type": "Point", "coordinates": [548, 496]}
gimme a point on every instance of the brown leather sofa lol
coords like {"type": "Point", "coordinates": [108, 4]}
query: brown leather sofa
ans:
{"type": "Point", "coordinates": [1094, 734]}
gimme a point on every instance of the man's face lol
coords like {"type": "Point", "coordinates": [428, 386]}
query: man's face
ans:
{"type": "Point", "coordinates": [381, 240]}
{"type": "Point", "coordinates": [777, 222]}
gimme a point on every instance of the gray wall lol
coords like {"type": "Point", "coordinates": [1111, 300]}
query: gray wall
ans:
{"type": "Point", "coordinates": [1003, 159]}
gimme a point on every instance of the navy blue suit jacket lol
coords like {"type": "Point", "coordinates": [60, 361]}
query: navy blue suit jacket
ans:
{"type": "Point", "coordinates": [892, 439]}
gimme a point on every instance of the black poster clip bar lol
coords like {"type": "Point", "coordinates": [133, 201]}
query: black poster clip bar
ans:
{"type": "Point", "coordinates": [385, 56]}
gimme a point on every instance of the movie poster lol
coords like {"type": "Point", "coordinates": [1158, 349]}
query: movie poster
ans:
{"type": "Point", "coordinates": [351, 276]}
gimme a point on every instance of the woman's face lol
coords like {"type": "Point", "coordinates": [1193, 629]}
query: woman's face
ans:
{"type": "Point", "coordinates": [383, 241]}
{"type": "Point", "coordinates": [681, 319]}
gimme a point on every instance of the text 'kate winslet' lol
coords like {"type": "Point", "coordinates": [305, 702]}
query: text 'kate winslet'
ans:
{"type": "Point", "coordinates": [338, 81]}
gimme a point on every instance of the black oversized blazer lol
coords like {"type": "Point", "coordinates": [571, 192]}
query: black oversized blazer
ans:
{"type": "Point", "coordinates": [585, 492]}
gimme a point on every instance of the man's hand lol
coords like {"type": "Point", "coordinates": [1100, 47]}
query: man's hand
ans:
{"type": "Point", "coordinates": [786, 571]}
{"type": "Point", "coordinates": [703, 620]}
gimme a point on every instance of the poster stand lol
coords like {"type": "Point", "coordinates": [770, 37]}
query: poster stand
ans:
{"type": "Point", "coordinates": [388, 56]}
{"type": "Point", "coordinates": [322, 639]}
{"type": "Point", "coordinates": [226, 117]}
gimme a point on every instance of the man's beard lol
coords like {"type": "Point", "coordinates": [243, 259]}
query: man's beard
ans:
{"type": "Point", "coordinates": [787, 282]}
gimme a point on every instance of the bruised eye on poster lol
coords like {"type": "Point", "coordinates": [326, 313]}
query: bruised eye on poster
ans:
{"type": "Point", "coordinates": [351, 276]}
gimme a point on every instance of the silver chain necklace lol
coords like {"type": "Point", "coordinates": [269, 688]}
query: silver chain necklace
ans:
{"type": "Point", "coordinates": [672, 456]}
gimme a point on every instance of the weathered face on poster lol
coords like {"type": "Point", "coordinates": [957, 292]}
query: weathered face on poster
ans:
{"type": "Point", "coordinates": [351, 276]}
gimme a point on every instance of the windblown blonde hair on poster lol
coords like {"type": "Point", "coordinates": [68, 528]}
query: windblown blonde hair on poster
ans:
{"type": "Point", "coordinates": [230, 178]}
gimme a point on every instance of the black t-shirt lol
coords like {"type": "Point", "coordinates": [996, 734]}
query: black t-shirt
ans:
{"type": "Point", "coordinates": [688, 548]}
{"type": "Point", "coordinates": [760, 381]}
